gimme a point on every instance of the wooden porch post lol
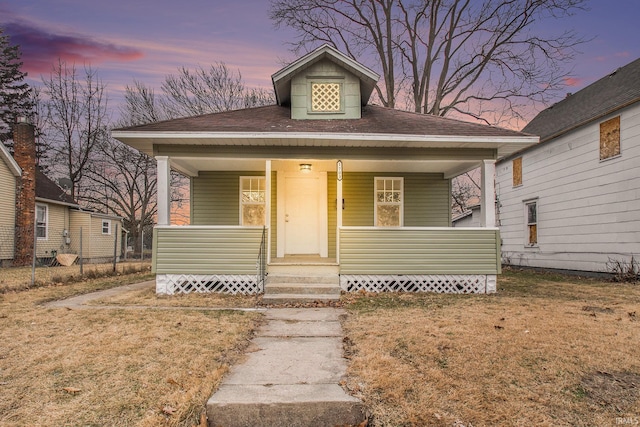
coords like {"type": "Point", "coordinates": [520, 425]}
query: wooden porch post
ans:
{"type": "Point", "coordinates": [338, 217]}
{"type": "Point", "coordinates": [164, 190]}
{"type": "Point", "coordinates": [267, 220]}
{"type": "Point", "coordinates": [488, 194]}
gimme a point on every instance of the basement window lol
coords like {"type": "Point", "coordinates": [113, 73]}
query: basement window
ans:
{"type": "Point", "coordinates": [610, 138]}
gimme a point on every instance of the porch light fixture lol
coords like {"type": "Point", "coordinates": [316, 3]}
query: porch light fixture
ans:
{"type": "Point", "coordinates": [305, 167]}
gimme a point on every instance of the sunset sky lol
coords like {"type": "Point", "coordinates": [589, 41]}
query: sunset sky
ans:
{"type": "Point", "coordinates": [148, 39]}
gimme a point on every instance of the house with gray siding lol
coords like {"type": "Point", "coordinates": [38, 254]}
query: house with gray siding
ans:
{"type": "Point", "coordinates": [571, 202]}
{"type": "Point", "coordinates": [323, 179]}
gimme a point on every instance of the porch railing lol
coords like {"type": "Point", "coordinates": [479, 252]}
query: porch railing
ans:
{"type": "Point", "coordinates": [419, 250]}
{"type": "Point", "coordinates": [261, 262]}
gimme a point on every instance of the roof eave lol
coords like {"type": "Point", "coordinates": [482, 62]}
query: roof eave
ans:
{"type": "Point", "coordinates": [10, 161]}
{"type": "Point", "coordinates": [56, 202]}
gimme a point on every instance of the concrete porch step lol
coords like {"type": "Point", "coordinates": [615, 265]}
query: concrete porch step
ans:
{"type": "Point", "coordinates": [290, 377]}
{"type": "Point", "coordinates": [332, 279]}
{"type": "Point", "coordinates": [289, 405]}
{"type": "Point", "coordinates": [298, 298]}
{"type": "Point", "coordinates": [301, 288]}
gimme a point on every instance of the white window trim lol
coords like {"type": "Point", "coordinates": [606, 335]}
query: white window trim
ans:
{"type": "Point", "coordinates": [241, 204]}
{"type": "Point", "coordinates": [375, 200]}
{"type": "Point", "coordinates": [108, 222]}
{"type": "Point", "coordinates": [525, 206]}
{"type": "Point", "coordinates": [46, 221]}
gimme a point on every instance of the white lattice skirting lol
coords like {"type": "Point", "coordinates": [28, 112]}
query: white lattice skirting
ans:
{"type": "Point", "coordinates": [441, 283]}
{"type": "Point", "coordinates": [170, 284]}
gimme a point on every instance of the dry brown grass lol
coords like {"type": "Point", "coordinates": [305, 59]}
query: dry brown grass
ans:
{"type": "Point", "coordinates": [19, 278]}
{"type": "Point", "coordinates": [545, 350]}
{"type": "Point", "coordinates": [148, 298]}
{"type": "Point", "coordinates": [111, 367]}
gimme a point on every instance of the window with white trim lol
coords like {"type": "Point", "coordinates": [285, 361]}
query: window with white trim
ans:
{"type": "Point", "coordinates": [389, 201]}
{"type": "Point", "coordinates": [106, 226]}
{"type": "Point", "coordinates": [252, 200]}
{"type": "Point", "coordinates": [531, 216]}
{"type": "Point", "coordinates": [42, 222]}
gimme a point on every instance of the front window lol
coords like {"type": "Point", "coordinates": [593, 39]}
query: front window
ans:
{"type": "Point", "coordinates": [252, 200]}
{"type": "Point", "coordinates": [106, 226]}
{"type": "Point", "coordinates": [531, 212]}
{"type": "Point", "coordinates": [42, 219]}
{"type": "Point", "coordinates": [389, 202]}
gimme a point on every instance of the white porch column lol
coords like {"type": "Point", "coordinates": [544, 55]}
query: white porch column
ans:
{"type": "Point", "coordinates": [267, 207]}
{"type": "Point", "coordinates": [338, 217]}
{"type": "Point", "coordinates": [488, 193]}
{"type": "Point", "coordinates": [164, 190]}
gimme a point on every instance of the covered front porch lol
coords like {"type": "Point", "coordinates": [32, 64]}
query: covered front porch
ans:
{"type": "Point", "coordinates": [383, 221]}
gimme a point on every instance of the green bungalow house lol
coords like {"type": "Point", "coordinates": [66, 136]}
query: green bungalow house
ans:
{"type": "Point", "coordinates": [323, 178]}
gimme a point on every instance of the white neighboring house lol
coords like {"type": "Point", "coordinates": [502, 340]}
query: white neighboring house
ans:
{"type": "Point", "coordinates": [572, 201]}
{"type": "Point", "coordinates": [468, 218]}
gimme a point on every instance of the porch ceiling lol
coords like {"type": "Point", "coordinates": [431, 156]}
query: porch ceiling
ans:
{"type": "Point", "coordinates": [191, 166]}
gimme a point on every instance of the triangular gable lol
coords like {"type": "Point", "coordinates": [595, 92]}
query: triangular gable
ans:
{"type": "Point", "coordinates": [282, 78]}
{"type": "Point", "coordinates": [9, 161]}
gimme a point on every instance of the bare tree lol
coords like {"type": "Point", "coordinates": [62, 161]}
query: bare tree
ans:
{"type": "Point", "coordinates": [212, 90]}
{"type": "Point", "coordinates": [482, 59]}
{"type": "Point", "coordinates": [76, 120]}
{"type": "Point", "coordinates": [465, 191]}
{"type": "Point", "coordinates": [123, 182]}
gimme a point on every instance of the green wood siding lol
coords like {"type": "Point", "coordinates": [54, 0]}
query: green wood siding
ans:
{"type": "Point", "coordinates": [419, 251]}
{"type": "Point", "coordinates": [325, 71]}
{"type": "Point", "coordinates": [206, 250]}
{"type": "Point", "coordinates": [426, 199]}
{"type": "Point", "coordinates": [215, 197]}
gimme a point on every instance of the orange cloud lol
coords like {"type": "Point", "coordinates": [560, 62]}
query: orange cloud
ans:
{"type": "Point", "coordinates": [572, 81]}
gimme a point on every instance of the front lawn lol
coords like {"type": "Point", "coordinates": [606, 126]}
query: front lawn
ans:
{"type": "Point", "coordinates": [116, 367]}
{"type": "Point", "coordinates": [545, 350]}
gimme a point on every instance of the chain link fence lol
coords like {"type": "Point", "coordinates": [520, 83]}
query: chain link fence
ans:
{"type": "Point", "coordinates": [60, 253]}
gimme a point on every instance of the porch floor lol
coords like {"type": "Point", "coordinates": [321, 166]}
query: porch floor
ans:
{"type": "Point", "coordinates": [303, 260]}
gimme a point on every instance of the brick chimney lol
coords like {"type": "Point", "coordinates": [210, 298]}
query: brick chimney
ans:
{"type": "Point", "coordinates": [24, 149]}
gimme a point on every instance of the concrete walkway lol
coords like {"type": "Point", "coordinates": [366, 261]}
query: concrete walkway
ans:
{"type": "Point", "coordinates": [292, 376]}
{"type": "Point", "coordinates": [80, 301]}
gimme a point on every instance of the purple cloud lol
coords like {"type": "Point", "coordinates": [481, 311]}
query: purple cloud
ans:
{"type": "Point", "coordinates": [40, 48]}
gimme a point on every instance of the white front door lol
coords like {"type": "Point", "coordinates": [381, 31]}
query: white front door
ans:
{"type": "Point", "coordinates": [303, 215]}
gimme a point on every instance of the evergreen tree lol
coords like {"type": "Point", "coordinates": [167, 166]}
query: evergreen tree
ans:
{"type": "Point", "coordinates": [15, 94]}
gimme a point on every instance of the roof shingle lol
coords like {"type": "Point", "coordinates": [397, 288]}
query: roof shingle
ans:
{"type": "Point", "coordinates": [375, 120]}
{"type": "Point", "coordinates": [613, 92]}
